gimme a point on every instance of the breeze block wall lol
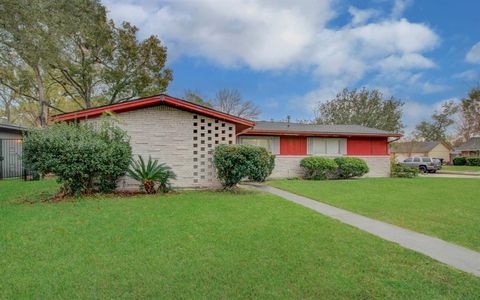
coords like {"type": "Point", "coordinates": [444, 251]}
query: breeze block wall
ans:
{"type": "Point", "coordinates": [289, 166]}
{"type": "Point", "coordinates": [181, 139]}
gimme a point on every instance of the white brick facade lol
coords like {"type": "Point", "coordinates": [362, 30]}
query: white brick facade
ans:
{"type": "Point", "coordinates": [181, 139]}
{"type": "Point", "coordinates": [289, 166]}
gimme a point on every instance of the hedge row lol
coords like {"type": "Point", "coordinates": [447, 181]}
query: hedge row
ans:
{"type": "Point", "coordinates": [468, 161]}
{"type": "Point", "coordinates": [339, 168]}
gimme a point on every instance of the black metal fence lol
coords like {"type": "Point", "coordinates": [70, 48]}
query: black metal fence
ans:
{"type": "Point", "coordinates": [11, 165]}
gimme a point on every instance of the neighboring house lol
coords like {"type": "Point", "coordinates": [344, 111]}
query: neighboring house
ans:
{"type": "Point", "coordinates": [469, 148]}
{"type": "Point", "coordinates": [404, 150]}
{"type": "Point", "coordinates": [183, 135]}
{"type": "Point", "coordinates": [11, 150]}
{"type": "Point", "coordinates": [11, 132]}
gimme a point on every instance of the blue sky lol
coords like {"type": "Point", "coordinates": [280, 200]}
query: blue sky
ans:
{"type": "Point", "coordinates": [286, 56]}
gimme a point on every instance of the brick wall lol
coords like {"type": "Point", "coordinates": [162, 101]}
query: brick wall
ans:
{"type": "Point", "coordinates": [181, 139]}
{"type": "Point", "coordinates": [289, 166]}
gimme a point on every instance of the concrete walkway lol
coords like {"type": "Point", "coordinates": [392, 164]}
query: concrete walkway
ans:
{"type": "Point", "coordinates": [450, 254]}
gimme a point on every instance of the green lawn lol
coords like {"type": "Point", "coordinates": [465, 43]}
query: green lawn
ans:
{"type": "Point", "coordinates": [461, 168]}
{"type": "Point", "coordinates": [448, 208]}
{"type": "Point", "coordinates": [202, 245]}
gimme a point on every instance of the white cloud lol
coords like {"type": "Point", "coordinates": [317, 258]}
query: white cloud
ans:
{"type": "Point", "coordinates": [473, 56]}
{"type": "Point", "coordinates": [431, 88]}
{"type": "Point", "coordinates": [271, 35]}
{"type": "Point", "coordinates": [132, 13]}
{"type": "Point", "coordinates": [406, 61]}
{"type": "Point", "coordinates": [399, 7]}
{"type": "Point", "coordinates": [470, 75]}
{"type": "Point", "coordinates": [361, 16]}
{"type": "Point", "coordinates": [282, 35]}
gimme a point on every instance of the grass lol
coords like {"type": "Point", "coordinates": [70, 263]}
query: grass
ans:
{"type": "Point", "coordinates": [461, 168]}
{"type": "Point", "coordinates": [202, 245]}
{"type": "Point", "coordinates": [448, 208]}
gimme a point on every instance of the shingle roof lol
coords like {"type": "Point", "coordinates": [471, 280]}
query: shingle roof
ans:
{"type": "Point", "coordinates": [265, 126]}
{"type": "Point", "coordinates": [473, 144]}
{"type": "Point", "coordinates": [413, 146]}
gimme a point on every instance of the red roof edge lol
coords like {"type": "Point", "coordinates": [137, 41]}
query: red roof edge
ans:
{"type": "Point", "coordinates": [149, 102]}
{"type": "Point", "coordinates": [320, 134]}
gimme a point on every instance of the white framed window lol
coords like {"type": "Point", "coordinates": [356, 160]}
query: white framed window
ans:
{"type": "Point", "coordinates": [326, 146]}
{"type": "Point", "coordinates": [271, 143]}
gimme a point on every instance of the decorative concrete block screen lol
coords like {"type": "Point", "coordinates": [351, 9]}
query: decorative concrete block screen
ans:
{"type": "Point", "coordinates": [181, 139]}
{"type": "Point", "coordinates": [207, 133]}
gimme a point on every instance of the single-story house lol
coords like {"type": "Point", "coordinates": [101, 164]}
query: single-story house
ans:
{"type": "Point", "coordinates": [435, 149]}
{"type": "Point", "coordinates": [470, 147]}
{"type": "Point", "coordinates": [11, 150]}
{"type": "Point", "coordinates": [183, 135]}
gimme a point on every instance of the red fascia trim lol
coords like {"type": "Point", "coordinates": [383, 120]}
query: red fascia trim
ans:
{"type": "Point", "coordinates": [305, 133]}
{"type": "Point", "coordinates": [147, 102]}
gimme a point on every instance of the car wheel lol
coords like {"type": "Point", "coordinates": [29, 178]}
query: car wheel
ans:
{"type": "Point", "coordinates": [423, 169]}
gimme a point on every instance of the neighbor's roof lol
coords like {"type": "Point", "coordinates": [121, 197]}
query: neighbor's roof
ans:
{"type": "Point", "coordinates": [12, 128]}
{"type": "Point", "coordinates": [473, 144]}
{"type": "Point", "coordinates": [149, 102]}
{"type": "Point", "coordinates": [415, 147]}
{"type": "Point", "coordinates": [286, 128]}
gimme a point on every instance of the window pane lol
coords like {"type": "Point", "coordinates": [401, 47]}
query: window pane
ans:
{"type": "Point", "coordinates": [426, 159]}
{"type": "Point", "coordinates": [416, 159]}
{"type": "Point", "coordinates": [269, 143]}
{"type": "Point", "coordinates": [318, 146]}
{"type": "Point", "coordinates": [333, 146]}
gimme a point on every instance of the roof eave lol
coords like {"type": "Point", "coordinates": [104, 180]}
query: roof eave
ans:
{"type": "Point", "coordinates": [309, 133]}
{"type": "Point", "coordinates": [148, 102]}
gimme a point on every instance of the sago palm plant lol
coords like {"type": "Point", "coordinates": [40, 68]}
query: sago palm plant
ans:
{"type": "Point", "coordinates": [150, 174]}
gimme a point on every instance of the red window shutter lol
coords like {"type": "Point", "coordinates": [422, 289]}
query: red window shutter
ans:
{"type": "Point", "coordinates": [367, 146]}
{"type": "Point", "coordinates": [379, 146]}
{"type": "Point", "coordinates": [293, 145]}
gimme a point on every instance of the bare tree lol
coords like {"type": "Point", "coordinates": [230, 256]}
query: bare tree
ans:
{"type": "Point", "coordinates": [231, 102]}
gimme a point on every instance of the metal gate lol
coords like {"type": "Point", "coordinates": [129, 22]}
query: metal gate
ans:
{"type": "Point", "coordinates": [11, 165]}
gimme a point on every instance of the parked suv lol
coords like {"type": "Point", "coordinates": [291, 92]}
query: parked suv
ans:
{"type": "Point", "coordinates": [424, 164]}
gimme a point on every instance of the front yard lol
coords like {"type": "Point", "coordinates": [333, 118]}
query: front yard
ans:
{"type": "Point", "coordinates": [448, 208]}
{"type": "Point", "coordinates": [208, 245]}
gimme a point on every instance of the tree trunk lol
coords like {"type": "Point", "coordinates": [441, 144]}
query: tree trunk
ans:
{"type": "Point", "coordinates": [8, 112]}
{"type": "Point", "coordinates": [43, 113]}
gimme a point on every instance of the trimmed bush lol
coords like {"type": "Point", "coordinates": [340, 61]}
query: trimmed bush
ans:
{"type": "Point", "coordinates": [460, 161]}
{"type": "Point", "coordinates": [236, 162]}
{"type": "Point", "coordinates": [473, 161]}
{"type": "Point", "coordinates": [349, 167]}
{"type": "Point", "coordinates": [402, 171]}
{"type": "Point", "coordinates": [317, 167]}
{"type": "Point", "coordinates": [84, 158]}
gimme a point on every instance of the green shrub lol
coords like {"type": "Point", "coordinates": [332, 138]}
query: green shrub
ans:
{"type": "Point", "coordinates": [317, 167]}
{"type": "Point", "coordinates": [349, 167]}
{"type": "Point", "coordinates": [473, 161]}
{"type": "Point", "coordinates": [150, 174]}
{"type": "Point", "coordinates": [236, 162]}
{"type": "Point", "coordinates": [402, 171]}
{"type": "Point", "coordinates": [460, 161]}
{"type": "Point", "coordinates": [84, 158]}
